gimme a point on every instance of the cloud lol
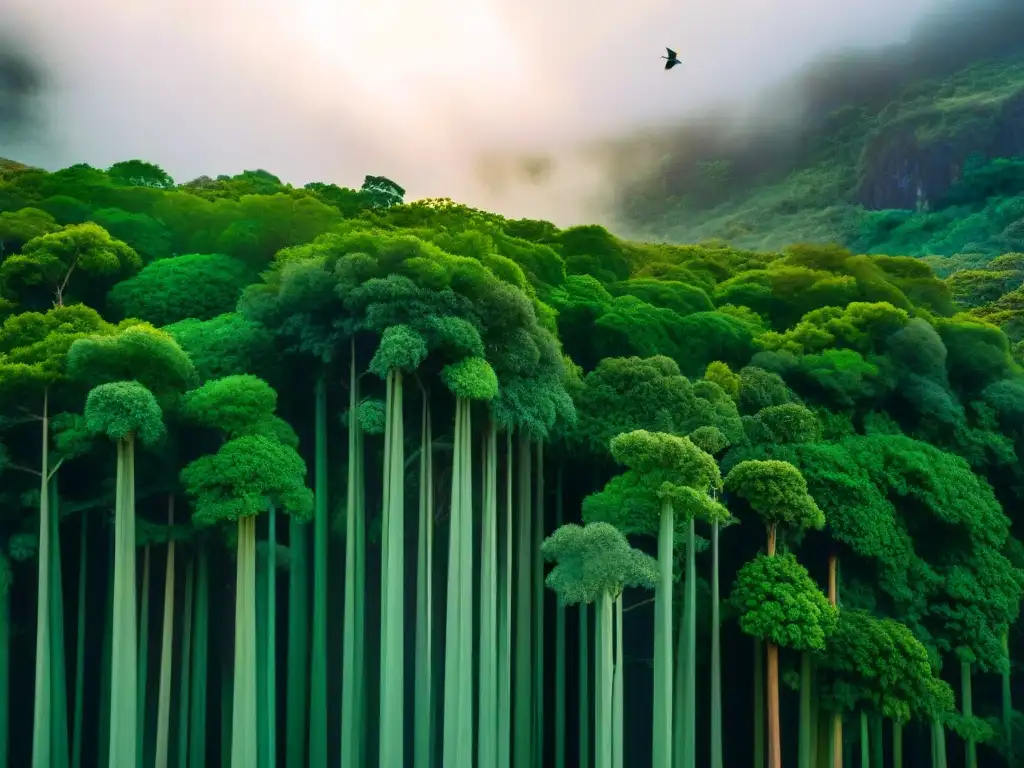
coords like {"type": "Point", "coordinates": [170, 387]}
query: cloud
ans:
{"type": "Point", "coordinates": [515, 105]}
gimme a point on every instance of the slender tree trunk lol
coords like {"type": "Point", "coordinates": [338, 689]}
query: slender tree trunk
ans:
{"type": "Point", "coordinates": [270, 651]}
{"type": "Point", "coordinates": [663, 667]}
{"type": "Point", "coordinates": [1007, 700]}
{"type": "Point", "coordinates": [774, 731]}
{"type": "Point", "coordinates": [298, 644]}
{"type": "Point", "coordinates": [353, 675]}
{"type": "Point", "coordinates": [897, 745]}
{"type": "Point", "coordinates": [523, 721]}
{"type": "Point", "coordinates": [806, 724]}
{"type": "Point", "coordinates": [318, 658]}
{"type": "Point", "coordinates": [560, 702]}
{"type": "Point", "coordinates": [83, 570]}
{"type": "Point", "coordinates": [106, 694]}
{"type": "Point", "coordinates": [392, 633]}
{"type": "Point", "coordinates": [243, 709]}
{"type": "Point", "coordinates": [124, 702]}
{"type": "Point", "coordinates": [200, 666]}
{"type": "Point", "coordinates": [143, 657]}
{"type": "Point", "coordinates": [458, 684]}
{"type": "Point", "coordinates": [5, 658]}
{"type": "Point", "coordinates": [163, 714]}
{"type": "Point", "coordinates": [877, 741]}
{"type": "Point", "coordinates": [618, 744]}
{"type": "Point", "coordinates": [759, 741]}
{"type": "Point", "coordinates": [970, 747]}
{"type": "Point", "coordinates": [505, 619]}
{"type": "Point", "coordinates": [424, 704]}
{"type": "Point", "coordinates": [938, 744]}
{"type": "Point", "coordinates": [604, 671]}
{"type": "Point", "coordinates": [487, 741]}
{"type": "Point", "coordinates": [584, 686]}
{"type": "Point", "coordinates": [185, 669]}
{"type": "Point", "coordinates": [865, 742]}
{"type": "Point", "coordinates": [42, 732]}
{"type": "Point", "coordinates": [690, 711]}
{"type": "Point", "coordinates": [716, 655]}
{"type": "Point", "coordinates": [837, 719]}
{"type": "Point", "coordinates": [58, 675]}
{"type": "Point", "coordinates": [538, 612]}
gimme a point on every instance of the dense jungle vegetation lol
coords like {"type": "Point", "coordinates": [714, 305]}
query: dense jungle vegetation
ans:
{"type": "Point", "coordinates": [314, 476]}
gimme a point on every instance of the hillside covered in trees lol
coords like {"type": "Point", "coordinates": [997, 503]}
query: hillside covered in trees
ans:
{"type": "Point", "coordinates": [913, 150]}
{"type": "Point", "coordinates": [314, 476]}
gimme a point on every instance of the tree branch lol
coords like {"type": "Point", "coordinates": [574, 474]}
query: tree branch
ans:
{"type": "Point", "coordinates": [638, 605]}
{"type": "Point", "coordinates": [31, 471]}
{"type": "Point", "coordinates": [53, 471]}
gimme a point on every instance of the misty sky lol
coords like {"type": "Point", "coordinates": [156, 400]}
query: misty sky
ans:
{"type": "Point", "coordinates": [417, 90]}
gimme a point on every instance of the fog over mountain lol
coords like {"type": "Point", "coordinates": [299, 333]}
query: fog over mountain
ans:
{"type": "Point", "coordinates": [522, 106]}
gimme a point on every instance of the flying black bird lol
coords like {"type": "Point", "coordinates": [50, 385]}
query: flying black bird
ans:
{"type": "Point", "coordinates": [672, 59]}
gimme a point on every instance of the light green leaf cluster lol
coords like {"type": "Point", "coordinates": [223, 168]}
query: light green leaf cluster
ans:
{"type": "Point", "coordinates": [592, 560]}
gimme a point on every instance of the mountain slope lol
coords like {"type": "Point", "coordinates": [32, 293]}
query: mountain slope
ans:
{"type": "Point", "coordinates": [935, 169]}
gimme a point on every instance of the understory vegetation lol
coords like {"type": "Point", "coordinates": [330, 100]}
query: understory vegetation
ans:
{"type": "Point", "coordinates": [317, 477]}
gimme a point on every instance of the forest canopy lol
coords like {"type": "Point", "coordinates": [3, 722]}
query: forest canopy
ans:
{"type": "Point", "coordinates": [409, 466]}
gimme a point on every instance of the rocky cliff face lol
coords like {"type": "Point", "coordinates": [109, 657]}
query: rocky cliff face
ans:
{"type": "Point", "coordinates": [911, 164]}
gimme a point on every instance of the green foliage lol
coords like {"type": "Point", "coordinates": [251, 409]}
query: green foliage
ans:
{"type": "Point", "coordinates": [592, 560]}
{"type": "Point", "coordinates": [226, 345]}
{"type": "Point", "coordinates": [232, 404]}
{"type": "Point", "coordinates": [242, 477]}
{"type": "Point", "coordinates": [789, 423]}
{"type": "Point", "coordinates": [778, 602]}
{"type": "Point", "coordinates": [372, 416]}
{"type": "Point", "coordinates": [401, 348]}
{"type": "Point", "coordinates": [777, 492]}
{"type": "Point", "coordinates": [877, 665]}
{"type": "Point", "coordinates": [123, 409]}
{"type": "Point", "coordinates": [139, 352]}
{"type": "Point", "coordinates": [197, 286]}
{"type": "Point", "coordinates": [471, 378]}
{"type": "Point", "coordinates": [659, 466]}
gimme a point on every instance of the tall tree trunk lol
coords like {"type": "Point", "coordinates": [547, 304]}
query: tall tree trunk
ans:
{"type": "Point", "coordinates": [603, 673]}
{"type": "Point", "coordinates": [806, 724]}
{"type": "Point", "coordinates": [458, 687]}
{"type": "Point", "coordinates": [663, 666]}
{"type": "Point", "coordinates": [618, 744]}
{"type": "Point", "coordinates": [487, 741]}
{"type": "Point", "coordinates": [392, 609]}
{"type": "Point", "coordinates": [690, 710]}
{"type": "Point", "coordinates": [243, 708]}
{"type": "Point", "coordinates": [560, 702]}
{"type": "Point", "coordinates": [163, 712]}
{"type": "Point", "coordinates": [5, 658]}
{"type": "Point", "coordinates": [865, 742]}
{"type": "Point", "coordinates": [83, 570]}
{"type": "Point", "coordinates": [270, 650]}
{"type": "Point", "coordinates": [143, 657]}
{"type": "Point", "coordinates": [298, 644]}
{"type": "Point", "coordinates": [716, 655]}
{"type": "Point", "coordinates": [201, 661]}
{"type": "Point", "coordinates": [505, 617]}
{"type": "Point", "coordinates": [1007, 699]}
{"type": "Point", "coordinates": [774, 730]}
{"type": "Point", "coordinates": [58, 675]}
{"type": "Point", "coordinates": [585, 706]}
{"type": "Point", "coordinates": [353, 674]}
{"type": "Point", "coordinates": [42, 730]}
{"type": "Point", "coordinates": [759, 697]}
{"type": "Point", "coordinates": [539, 529]}
{"type": "Point", "coordinates": [897, 745]}
{"type": "Point", "coordinates": [185, 668]}
{"type": "Point", "coordinates": [318, 657]}
{"type": "Point", "coordinates": [837, 718]}
{"type": "Point", "coordinates": [523, 721]}
{"type": "Point", "coordinates": [423, 735]}
{"type": "Point", "coordinates": [970, 747]}
{"type": "Point", "coordinates": [877, 741]}
{"type": "Point", "coordinates": [124, 702]}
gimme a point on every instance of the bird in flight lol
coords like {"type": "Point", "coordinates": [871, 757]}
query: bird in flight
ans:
{"type": "Point", "coordinates": [672, 59]}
